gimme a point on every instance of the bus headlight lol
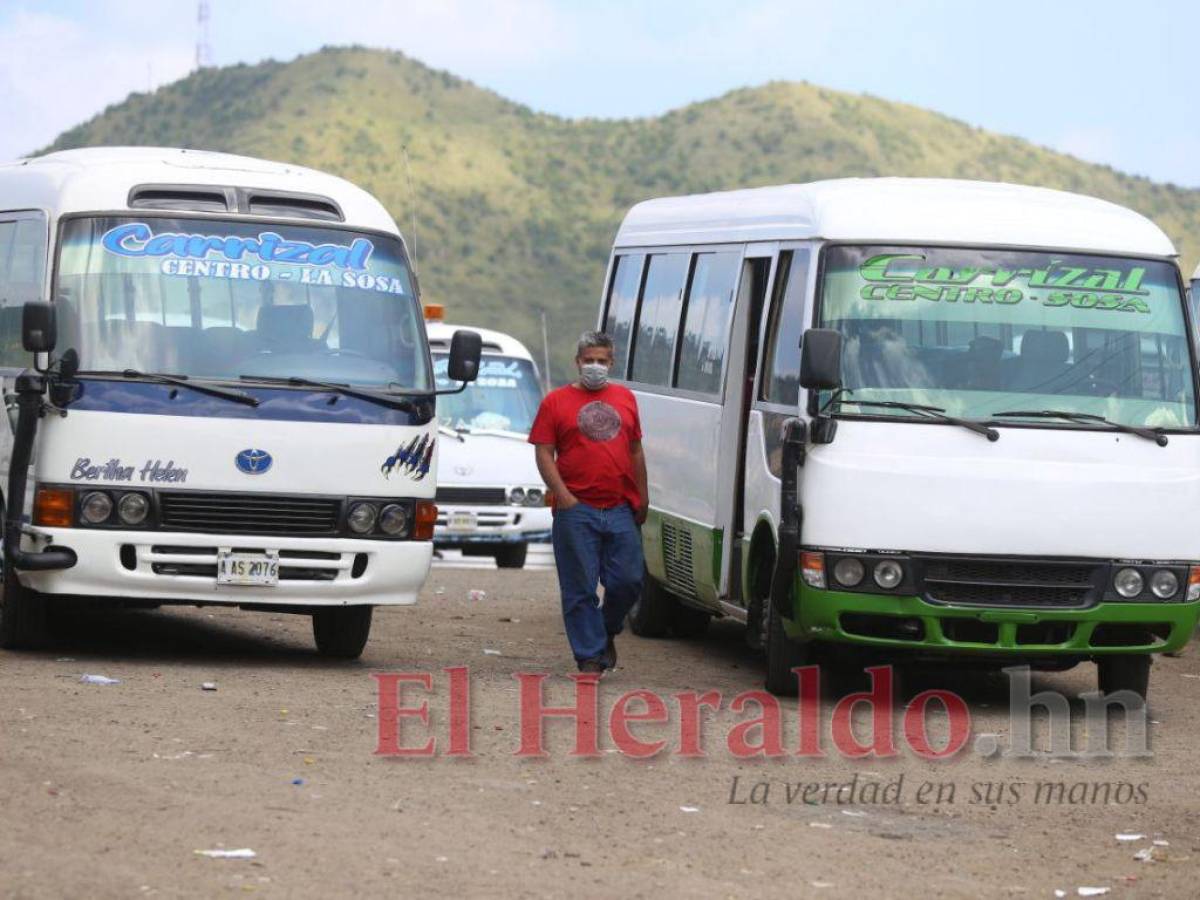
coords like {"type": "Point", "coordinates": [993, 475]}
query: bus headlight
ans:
{"type": "Point", "coordinates": [361, 518]}
{"type": "Point", "coordinates": [133, 509]}
{"type": "Point", "coordinates": [1164, 584]}
{"type": "Point", "coordinates": [848, 572]}
{"type": "Point", "coordinates": [535, 496]}
{"type": "Point", "coordinates": [888, 574]}
{"type": "Point", "coordinates": [96, 507]}
{"type": "Point", "coordinates": [1128, 583]}
{"type": "Point", "coordinates": [393, 519]}
{"type": "Point", "coordinates": [516, 496]}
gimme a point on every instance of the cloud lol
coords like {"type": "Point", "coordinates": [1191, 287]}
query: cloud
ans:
{"type": "Point", "coordinates": [56, 72]}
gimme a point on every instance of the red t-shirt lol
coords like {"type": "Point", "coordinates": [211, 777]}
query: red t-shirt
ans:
{"type": "Point", "coordinates": [592, 433]}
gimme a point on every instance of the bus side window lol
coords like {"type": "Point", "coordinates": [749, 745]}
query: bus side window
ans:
{"type": "Point", "coordinates": [708, 313]}
{"type": "Point", "coordinates": [781, 365]}
{"type": "Point", "coordinates": [622, 301]}
{"type": "Point", "coordinates": [22, 271]}
{"type": "Point", "coordinates": [653, 347]}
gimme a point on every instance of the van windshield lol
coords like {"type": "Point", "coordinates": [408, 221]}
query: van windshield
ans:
{"type": "Point", "coordinates": [980, 332]}
{"type": "Point", "coordinates": [505, 396]}
{"type": "Point", "coordinates": [217, 300]}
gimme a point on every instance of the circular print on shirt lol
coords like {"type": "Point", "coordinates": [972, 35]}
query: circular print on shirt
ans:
{"type": "Point", "coordinates": [599, 421]}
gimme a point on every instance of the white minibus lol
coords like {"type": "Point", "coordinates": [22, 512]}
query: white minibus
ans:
{"type": "Point", "coordinates": [219, 388]}
{"type": "Point", "coordinates": [986, 451]}
{"type": "Point", "coordinates": [490, 497]}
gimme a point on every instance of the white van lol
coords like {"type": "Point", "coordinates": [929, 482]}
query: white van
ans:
{"type": "Point", "coordinates": [987, 451]}
{"type": "Point", "coordinates": [231, 392]}
{"type": "Point", "coordinates": [491, 500]}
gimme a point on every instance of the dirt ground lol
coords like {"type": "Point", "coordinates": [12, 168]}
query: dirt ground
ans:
{"type": "Point", "coordinates": [108, 790]}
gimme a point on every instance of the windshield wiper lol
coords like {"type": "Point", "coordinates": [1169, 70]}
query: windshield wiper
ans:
{"type": "Point", "coordinates": [180, 381]}
{"type": "Point", "coordinates": [389, 400]}
{"type": "Point", "coordinates": [492, 432]}
{"type": "Point", "coordinates": [935, 413]}
{"type": "Point", "coordinates": [1149, 434]}
{"type": "Point", "coordinates": [451, 432]}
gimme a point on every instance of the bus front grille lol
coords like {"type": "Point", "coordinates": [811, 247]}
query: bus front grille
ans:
{"type": "Point", "coordinates": [1012, 582]}
{"type": "Point", "coordinates": [230, 513]}
{"type": "Point", "coordinates": [472, 496]}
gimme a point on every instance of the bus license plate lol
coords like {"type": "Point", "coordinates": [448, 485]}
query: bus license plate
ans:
{"type": "Point", "coordinates": [462, 521]}
{"type": "Point", "coordinates": [248, 568]}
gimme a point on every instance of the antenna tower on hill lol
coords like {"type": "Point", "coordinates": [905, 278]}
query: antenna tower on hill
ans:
{"type": "Point", "coordinates": [203, 48]}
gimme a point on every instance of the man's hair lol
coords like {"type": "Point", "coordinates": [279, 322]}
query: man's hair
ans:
{"type": "Point", "coordinates": [590, 339]}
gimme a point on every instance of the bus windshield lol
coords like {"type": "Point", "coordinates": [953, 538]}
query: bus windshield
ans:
{"type": "Point", "coordinates": [978, 332]}
{"type": "Point", "coordinates": [505, 397]}
{"type": "Point", "coordinates": [218, 300]}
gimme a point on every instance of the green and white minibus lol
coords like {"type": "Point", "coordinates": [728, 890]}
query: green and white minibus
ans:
{"type": "Point", "coordinates": [926, 418]}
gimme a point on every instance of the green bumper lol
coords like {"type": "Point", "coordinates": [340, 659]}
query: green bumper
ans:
{"type": "Point", "coordinates": [884, 621]}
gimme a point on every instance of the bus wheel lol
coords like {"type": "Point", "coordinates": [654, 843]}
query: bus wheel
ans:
{"type": "Point", "coordinates": [650, 615]}
{"type": "Point", "coordinates": [511, 556]}
{"type": "Point", "coordinates": [1125, 673]}
{"type": "Point", "coordinates": [23, 617]}
{"type": "Point", "coordinates": [689, 622]}
{"type": "Point", "coordinates": [783, 654]}
{"type": "Point", "coordinates": [341, 631]}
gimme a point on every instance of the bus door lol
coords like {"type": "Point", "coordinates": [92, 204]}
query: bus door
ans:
{"type": "Point", "coordinates": [745, 340]}
{"type": "Point", "coordinates": [776, 393]}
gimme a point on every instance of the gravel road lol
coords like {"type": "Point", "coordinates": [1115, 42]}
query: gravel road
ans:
{"type": "Point", "coordinates": [108, 790]}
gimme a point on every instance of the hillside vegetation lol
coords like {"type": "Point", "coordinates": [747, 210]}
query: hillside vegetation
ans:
{"type": "Point", "coordinates": [516, 209]}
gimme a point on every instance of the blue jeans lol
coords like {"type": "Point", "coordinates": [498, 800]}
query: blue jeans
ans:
{"type": "Point", "coordinates": [596, 546]}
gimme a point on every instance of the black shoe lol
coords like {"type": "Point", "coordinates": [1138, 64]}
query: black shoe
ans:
{"type": "Point", "coordinates": [610, 653]}
{"type": "Point", "coordinates": [593, 666]}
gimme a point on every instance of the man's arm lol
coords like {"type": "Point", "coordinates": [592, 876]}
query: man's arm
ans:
{"type": "Point", "coordinates": [548, 468]}
{"type": "Point", "coordinates": [638, 458]}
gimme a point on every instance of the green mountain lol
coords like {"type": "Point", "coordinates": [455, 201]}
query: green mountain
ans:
{"type": "Point", "coordinates": [515, 210]}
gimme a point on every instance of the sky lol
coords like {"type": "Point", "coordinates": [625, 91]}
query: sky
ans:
{"type": "Point", "coordinates": [1106, 80]}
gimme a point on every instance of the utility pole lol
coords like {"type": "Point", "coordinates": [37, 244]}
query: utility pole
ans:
{"type": "Point", "coordinates": [545, 352]}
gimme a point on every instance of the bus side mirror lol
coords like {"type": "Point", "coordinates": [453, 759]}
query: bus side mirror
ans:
{"type": "Point", "coordinates": [821, 359]}
{"type": "Point", "coordinates": [465, 349]}
{"type": "Point", "coordinates": [39, 331]}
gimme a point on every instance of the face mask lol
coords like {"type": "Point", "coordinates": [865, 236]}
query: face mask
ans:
{"type": "Point", "coordinates": [593, 376]}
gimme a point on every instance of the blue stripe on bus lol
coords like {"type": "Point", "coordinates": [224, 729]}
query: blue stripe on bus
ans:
{"type": "Point", "coordinates": [275, 404]}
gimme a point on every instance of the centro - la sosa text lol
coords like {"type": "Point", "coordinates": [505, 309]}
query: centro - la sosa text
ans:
{"type": "Point", "coordinates": [153, 470]}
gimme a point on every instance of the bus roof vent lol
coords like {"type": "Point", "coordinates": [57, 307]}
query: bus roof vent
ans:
{"type": "Point", "coordinates": [290, 206]}
{"type": "Point", "coordinates": [190, 198]}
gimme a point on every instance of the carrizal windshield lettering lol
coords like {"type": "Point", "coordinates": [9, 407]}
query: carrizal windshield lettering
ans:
{"type": "Point", "coordinates": [137, 239]}
{"type": "Point", "coordinates": [976, 332]}
{"type": "Point", "coordinates": [900, 276]}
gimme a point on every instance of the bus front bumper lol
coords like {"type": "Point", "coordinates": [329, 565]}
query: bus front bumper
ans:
{"type": "Point", "coordinates": [874, 620]}
{"type": "Point", "coordinates": [175, 567]}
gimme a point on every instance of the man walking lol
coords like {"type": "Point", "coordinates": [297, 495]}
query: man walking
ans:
{"type": "Point", "coordinates": [588, 440]}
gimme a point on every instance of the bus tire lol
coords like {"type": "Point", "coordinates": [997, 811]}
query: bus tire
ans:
{"type": "Point", "coordinates": [650, 615]}
{"type": "Point", "coordinates": [511, 556]}
{"type": "Point", "coordinates": [689, 622]}
{"type": "Point", "coordinates": [782, 655]}
{"type": "Point", "coordinates": [341, 632]}
{"type": "Point", "coordinates": [23, 619]}
{"type": "Point", "coordinates": [1127, 672]}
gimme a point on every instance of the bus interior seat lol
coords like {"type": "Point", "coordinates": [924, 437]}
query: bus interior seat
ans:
{"type": "Point", "coordinates": [1042, 364]}
{"type": "Point", "coordinates": [285, 328]}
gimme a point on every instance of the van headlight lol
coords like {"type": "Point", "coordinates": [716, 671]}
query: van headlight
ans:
{"type": "Point", "coordinates": [888, 574]}
{"type": "Point", "coordinates": [133, 509]}
{"type": "Point", "coordinates": [96, 507]}
{"type": "Point", "coordinates": [1164, 584]}
{"type": "Point", "coordinates": [848, 572]}
{"type": "Point", "coordinates": [1128, 583]}
{"type": "Point", "coordinates": [516, 496]}
{"type": "Point", "coordinates": [535, 496]}
{"type": "Point", "coordinates": [361, 518]}
{"type": "Point", "coordinates": [393, 519]}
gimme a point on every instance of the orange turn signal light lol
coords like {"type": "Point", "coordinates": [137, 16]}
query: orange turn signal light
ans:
{"type": "Point", "coordinates": [54, 507]}
{"type": "Point", "coordinates": [425, 520]}
{"type": "Point", "coordinates": [434, 312]}
{"type": "Point", "coordinates": [1193, 588]}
